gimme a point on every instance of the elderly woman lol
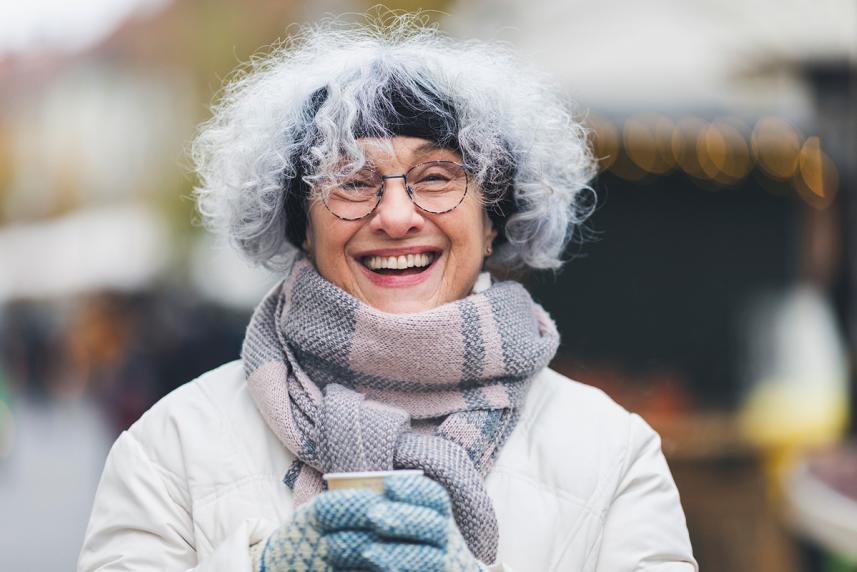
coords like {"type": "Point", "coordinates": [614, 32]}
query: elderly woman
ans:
{"type": "Point", "coordinates": [383, 172]}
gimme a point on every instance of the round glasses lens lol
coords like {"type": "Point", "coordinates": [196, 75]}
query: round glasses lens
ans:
{"type": "Point", "coordinates": [438, 186]}
{"type": "Point", "coordinates": [354, 196]}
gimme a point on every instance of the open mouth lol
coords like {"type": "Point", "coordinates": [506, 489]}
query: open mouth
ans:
{"type": "Point", "coordinates": [402, 265]}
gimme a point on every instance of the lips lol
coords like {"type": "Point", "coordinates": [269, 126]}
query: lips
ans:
{"type": "Point", "coordinates": [402, 262]}
{"type": "Point", "coordinates": [398, 267]}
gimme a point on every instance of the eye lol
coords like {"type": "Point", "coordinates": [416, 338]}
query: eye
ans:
{"type": "Point", "coordinates": [438, 176]}
{"type": "Point", "coordinates": [355, 184]}
{"type": "Point", "coordinates": [360, 187]}
{"type": "Point", "coordinates": [357, 180]}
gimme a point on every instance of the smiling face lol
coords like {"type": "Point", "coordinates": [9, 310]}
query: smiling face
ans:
{"type": "Point", "coordinates": [442, 253]}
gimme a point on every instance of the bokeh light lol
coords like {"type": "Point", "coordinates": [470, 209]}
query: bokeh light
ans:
{"type": "Point", "coordinates": [647, 140]}
{"type": "Point", "coordinates": [817, 179]}
{"type": "Point", "coordinates": [723, 153]}
{"type": "Point", "coordinates": [684, 145]}
{"type": "Point", "coordinates": [776, 144]}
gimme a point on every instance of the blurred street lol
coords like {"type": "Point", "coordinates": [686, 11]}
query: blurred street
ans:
{"type": "Point", "coordinates": [714, 291]}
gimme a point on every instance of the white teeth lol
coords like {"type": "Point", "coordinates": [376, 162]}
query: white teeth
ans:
{"type": "Point", "coordinates": [398, 262]}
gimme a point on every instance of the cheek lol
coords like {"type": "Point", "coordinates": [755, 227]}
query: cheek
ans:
{"type": "Point", "coordinates": [468, 238]}
{"type": "Point", "coordinates": [473, 228]}
{"type": "Point", "coordinates": [327, 239]}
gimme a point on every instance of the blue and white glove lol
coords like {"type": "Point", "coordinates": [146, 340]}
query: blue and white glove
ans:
{"type": "Point", "coordinates": [407, 529]}
{"type": "Point", "coordinates": [414, 531]}
{"type": "Point", "coordinates": [319, 534]}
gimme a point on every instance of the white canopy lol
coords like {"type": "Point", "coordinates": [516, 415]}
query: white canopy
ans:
{"type": "Point", "coordinates": [120, 247]}
{"type": "Point", "coordinates": [669, 54]}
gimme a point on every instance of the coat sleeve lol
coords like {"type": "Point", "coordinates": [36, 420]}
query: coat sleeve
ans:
{"type": "Point", "coordinates": [645, 528]}
{"type": "Point", "coordinates": [141, 521]}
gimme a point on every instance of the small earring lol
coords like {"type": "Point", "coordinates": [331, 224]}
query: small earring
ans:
{"type": "Point", "coordinates": [488, 250]}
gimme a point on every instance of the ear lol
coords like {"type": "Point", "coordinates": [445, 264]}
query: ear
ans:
{"type": "Point", "coordinates": [307, 244]}
{"type": "Point", "coordinates": [490, 233]}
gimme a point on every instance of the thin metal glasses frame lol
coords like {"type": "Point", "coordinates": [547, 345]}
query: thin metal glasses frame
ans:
{"type": "Point", "coordinates": [404, 176]}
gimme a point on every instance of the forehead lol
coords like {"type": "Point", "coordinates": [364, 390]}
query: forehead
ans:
{"type": "Point", "coordinates": [403, 149]}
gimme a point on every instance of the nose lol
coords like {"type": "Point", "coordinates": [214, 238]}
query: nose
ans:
{"type": "Point", "coordinates": [396, 215]}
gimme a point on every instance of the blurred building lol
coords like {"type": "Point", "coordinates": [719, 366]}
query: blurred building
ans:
{"type": "Point", "coordinates": [716, 293]}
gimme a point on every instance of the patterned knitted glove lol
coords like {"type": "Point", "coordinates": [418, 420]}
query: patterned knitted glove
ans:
{"type": "Point", "coordinates": [416, 531]}
{"type": "Point", "coordinates": [330, 529]}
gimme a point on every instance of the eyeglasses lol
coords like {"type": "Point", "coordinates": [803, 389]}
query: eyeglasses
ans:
{"type": "Point", "coordinates": [434, 186]}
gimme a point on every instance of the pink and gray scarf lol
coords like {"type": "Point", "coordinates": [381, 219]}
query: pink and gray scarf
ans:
{"type": "Point", "coordinates": [346, 387]}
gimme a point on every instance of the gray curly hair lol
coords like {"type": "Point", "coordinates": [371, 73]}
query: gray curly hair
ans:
{"type": "Point", "coordinates": [270, 135]}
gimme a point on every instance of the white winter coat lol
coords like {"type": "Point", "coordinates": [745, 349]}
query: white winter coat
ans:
{"type": "Point", "coordinates": [581, 485]}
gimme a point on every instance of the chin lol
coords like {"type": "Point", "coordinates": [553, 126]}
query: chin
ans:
{"type": "Point", "coordinates": [403, 300]}
{"type": "Point", "coordinates": [401, 305]}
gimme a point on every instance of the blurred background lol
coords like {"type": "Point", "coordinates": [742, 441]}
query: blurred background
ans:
{"type": "Point", "coordinates": [715, 293]}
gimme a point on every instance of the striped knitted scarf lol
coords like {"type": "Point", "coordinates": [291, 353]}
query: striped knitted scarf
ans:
{"type": "Point", "coordinates": [346, 387]}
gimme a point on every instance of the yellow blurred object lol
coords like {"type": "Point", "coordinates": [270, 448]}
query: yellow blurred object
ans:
{"type": "Point", "coordinates": [783, 424]}
{"type": "Point", "coordinates": [798, 366]}
{"type": "Point", "coordinates": [774, 416]}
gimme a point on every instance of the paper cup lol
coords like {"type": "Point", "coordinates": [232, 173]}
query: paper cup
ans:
{"type": "Point", "coordinates": [372, 480]}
